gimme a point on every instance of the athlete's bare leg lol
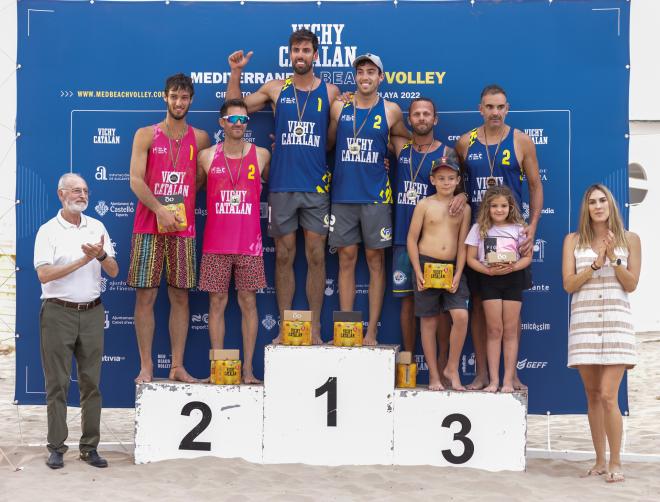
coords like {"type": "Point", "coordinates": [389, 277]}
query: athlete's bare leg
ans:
{"type": "Point", "coordinates": [407, 319]}
{"type": "Point", "coordinates": [517, 384]}
{"type": "Point", "coordinates": [510, 317]}
{"type": "Point", "coordinates": [376, 263]}
{"type": "Point", "coordinates": [217, 306]}
{"type": "Point", "coordinates": [478, 328]}
{"type": "Point", "coordinates": [442, 335]}
{"type": "Point", "coordinates": [428, 329]}
{"type": "Point", "coordinates": [315, 253]}
{"type": "Point", "coordinates": [285, 280]}
{"type": "Point", "coordinates": [179, 315]}
{"type": "Point", "coordinates": [493, 311]}
{"type": "Point", "coordinates": [459, 324]}
{"type": "Point", "coordinates": [144, 331]}
{"type": "Point", "coordinates": [346, 277]}
{"type": "Point", "coordinates": [247, 301]}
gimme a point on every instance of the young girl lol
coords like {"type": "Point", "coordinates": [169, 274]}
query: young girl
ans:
{"type": "Point", "coordinates": [601, 265]}
{"type": "Point", "coordinates": [500, 230]}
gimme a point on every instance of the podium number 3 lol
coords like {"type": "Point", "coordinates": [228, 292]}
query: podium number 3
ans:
{"type": "Point", "coordinates": [330, 386]}
{"type": "Point", "coordinates": [188, 442]}
{"type": "Point", "coordinates": [461, 435]}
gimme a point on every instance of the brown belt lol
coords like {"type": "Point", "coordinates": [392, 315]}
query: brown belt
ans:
{"type": "Point", "coordinates": [73, 305]}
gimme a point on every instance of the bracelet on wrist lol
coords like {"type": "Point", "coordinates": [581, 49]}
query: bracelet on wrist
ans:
{"type": "Point", "coordinates": [102, 257]}
{"type": "Point", "coordinates": [594, 267]}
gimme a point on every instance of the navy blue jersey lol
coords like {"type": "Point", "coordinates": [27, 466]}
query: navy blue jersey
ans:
{"type": "Point", "coordinates": [506, 171]}
{"type": "Point", "coordinates": [299, 162]}
{"type": "Point", "coordinates": [360, 177]}
{"type": "Point", "coordinates": [405, 205]}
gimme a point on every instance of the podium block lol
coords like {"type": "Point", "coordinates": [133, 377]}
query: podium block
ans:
{"type": "Point", "coordinates": [326, 405]}
{"type": "Point", "coordinates": [466, 429]}
{"type": "Point", "coordinates": [177, 420]}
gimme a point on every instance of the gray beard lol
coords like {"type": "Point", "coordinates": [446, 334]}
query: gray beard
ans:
{"type": "Point", "coordinates": [76, 207]}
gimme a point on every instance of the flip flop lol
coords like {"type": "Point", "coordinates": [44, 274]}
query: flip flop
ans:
{"type": "Point", "coordinates": [593, 472]}
{"type": "Point", "coordinates": [615, 477]}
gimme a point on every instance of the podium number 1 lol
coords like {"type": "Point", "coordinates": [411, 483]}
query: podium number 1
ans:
{"type": "Point", "coordinates": [330, 386]}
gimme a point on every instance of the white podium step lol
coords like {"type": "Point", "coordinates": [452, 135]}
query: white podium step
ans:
{"type": "Point", "coordinates": [326, 405]}
{"type": "Point", "coordinates": [177, 420]}
{"type": "Point", "coordinates": [462, 429]}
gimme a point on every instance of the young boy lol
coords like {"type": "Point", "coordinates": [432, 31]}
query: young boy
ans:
{"type": "Point", "coordinates": [442, 241]}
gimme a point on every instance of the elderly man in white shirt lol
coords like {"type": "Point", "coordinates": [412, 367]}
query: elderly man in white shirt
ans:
{"type": "Point", "coordinates": [69, 252]}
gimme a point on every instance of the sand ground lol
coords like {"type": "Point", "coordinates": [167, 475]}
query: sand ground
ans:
{"type": "Point", "coordinates": [24, 428]}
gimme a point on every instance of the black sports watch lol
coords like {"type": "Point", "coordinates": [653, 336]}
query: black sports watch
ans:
{"type": "Point", "coordinates": [616, 262]}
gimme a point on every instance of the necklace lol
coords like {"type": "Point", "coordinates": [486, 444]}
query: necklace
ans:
{"type": "Point", "coordinates": [234, 196]}
{"type": "Point", "coordinates": [354, 146]}
{"type": "Point", "coordinates": [299, 130]}
{"type": "Point", "coordinates": [177, 141]}
{"type": "Point", "coordinates": [411, 194]}
{"type": "Point", "coordinates": [491, 181]}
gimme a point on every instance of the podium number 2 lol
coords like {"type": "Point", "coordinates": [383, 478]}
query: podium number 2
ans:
{"type": "Point", "coordinates": [461, 435]}
{"type": "Point", "coordinates": [188, 442]}
{"type": "Point", "coordinates": [330, 386]}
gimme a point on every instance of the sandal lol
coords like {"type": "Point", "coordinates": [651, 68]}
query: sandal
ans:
{"type": "Point", "coordinates": [615, 477]}
{"type": "Point", "coordinates": [594, 472]}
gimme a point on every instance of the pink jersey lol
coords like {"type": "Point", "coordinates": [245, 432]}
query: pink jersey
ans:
{"type": "Point", "coordinates": [232, 222]}
{"type": "Point", "coordinates": [163, 179]}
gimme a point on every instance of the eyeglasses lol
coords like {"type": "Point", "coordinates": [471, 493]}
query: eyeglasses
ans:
{"type": "Point", "coordinates": [77, 191]}
{"type": "Point", "coordinates": [236, 119]}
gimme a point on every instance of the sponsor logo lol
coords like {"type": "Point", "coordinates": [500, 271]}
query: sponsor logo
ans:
{"type": "Point", "coordinates": [525, 210]}
{"type": "Point", "coordinates": [346, 118]}
{"type": "Point", "coordinates": [329, 221]}
{"type": "Point", "coordinates": [219, 136]}
{"type": "Point", "coordinates": [159, 150]}
{"type": "Point", "coordinates": [122, 320]}
{"type": "Point", "coordinates": [164, 361]}
{"type": "Point", "coordinates": [114, 248]}
{"type": "Point", "coordinates": [543, 173]}
{"type": "Point", "coordinates": [101, 208]}
{"type": "Point", "coordinates": [287, 100]}
{"type": "Point", "coordinates": [106, 136]}
{"type": "Point", "coordinates": [475, 156]}
{"type": "Point", "coordinates": [106, 322]}
{"type": "Point", "coordinates": [453, 138]}
{"type": "Point", "coordinates": [531, 365]}
{"type": "Point", "coordinates": [104, 284]}
{"type": "Point", "coordinates": [118, 286]}
{"type": "Point", "coordinates": [540, 288]}
{"type": "Point", "coordinates": [399, 277]}
{"type": "Point", "coordinates": [268, 322]}
{"type": "Point", "coordinates": [200, 211]}
{"type": "Point", "coordinates": [539, 250]}
{"type": "Point", "coordinates": [362, 289]}
{"type": "Point", "coordinates": [538, 136]}
{"type": "Point", "coordinates": [263, 210]}
{"type": "Point", "coordinates": [469, 364]}
{"type": "Point", "coordinates": [101, 173]}
{"type": "Point", "coordinates": [269, 249]}
{"type": "Point", "coordinates": [119, 209]}
{"type": "Point", "coordinates": [386, 234]}
{"type": "Point", "coordinates": [268, 290]}
{"type": "Point", "coordinates": [199, 321]}
{"type": "Point", "coordinates": [332, 250]}
{"type": "Point", "coordinates": [112, 359]}
{"type": "Point", "coordinates": [421, 363]}
{"type": "Point", "coordinates": [535, 326]}
{"type": "Point", "coordinates": [329, 287]}
{"type": "Point", "coordinates": [334, 52]}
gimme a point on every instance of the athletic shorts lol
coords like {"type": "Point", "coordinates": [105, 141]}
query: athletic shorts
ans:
{"type": "Point", "coordinates": [149, 251]}
{"type": "Point", "coordinates": [431, 302]}
{"type": "Point", "coordinates": [354, 223]}
{"type": "Point", "coordinates": [287, 209]}
{"type": "Point", "coordinates": [403, 274]}
{"type": "Point", "coordinates": [502, 287]}
{"type": "Point", "coordinates": [216, 270]}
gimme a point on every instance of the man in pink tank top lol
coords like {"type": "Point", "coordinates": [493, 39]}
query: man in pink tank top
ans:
{"type": "Point", "coordinates": [164, 176]}
{"type": "Point", "coordinates": [232, 235]}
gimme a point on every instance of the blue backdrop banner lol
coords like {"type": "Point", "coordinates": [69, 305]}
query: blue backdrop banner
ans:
{"type": "Point", "coordinates": [92, 73]}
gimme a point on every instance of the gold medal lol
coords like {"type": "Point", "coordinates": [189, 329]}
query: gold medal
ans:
{"type": "Point", "coordinates": [299, 131]}
{"type": "Point", "coordinates": [491, 182]}
{"type": "Point", "coordinates": [354, 148]}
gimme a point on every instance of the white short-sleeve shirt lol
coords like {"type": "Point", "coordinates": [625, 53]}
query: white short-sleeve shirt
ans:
{"type": "Point", "coordinates": [59, 242]}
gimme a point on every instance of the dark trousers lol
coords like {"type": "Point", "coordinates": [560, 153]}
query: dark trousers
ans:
{"type": "Point", "coordinates": [66, 332]}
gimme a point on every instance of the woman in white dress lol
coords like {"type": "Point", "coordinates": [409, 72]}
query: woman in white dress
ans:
{"type": "Point", "coordinates": [601, 265]}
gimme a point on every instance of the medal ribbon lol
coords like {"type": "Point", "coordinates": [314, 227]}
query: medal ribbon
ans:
{"type": "Point", "coordinates": [492, 164]}
{"type": "Point", "coordinates": [355, 134]}
{"type": "Point", "coordinates": [419, 166]}
{"type": "Point", "coordinates": [240, 166]}
{"type": "Point", "coordinates": [295, 93]}
{"type": "Point", "coordinates": [177, 141]}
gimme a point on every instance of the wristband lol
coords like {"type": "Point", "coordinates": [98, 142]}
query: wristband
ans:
{"type": "Point", "coordinates": [594, 267]}
{"type": "Point", "coordinates": [101, 258]}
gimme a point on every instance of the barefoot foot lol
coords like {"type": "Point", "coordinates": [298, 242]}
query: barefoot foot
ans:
{"type": "Point", "coordinates": [316, 340]}
{"type": "Point", "coordinates": [454, 379]}
{"type": "Point", "coordinates": [435, 385]}
{"type": "Point", "coordinates": [478, 383]}
{"type": "Point", "coordinates": [179, 374]}
{"type": "Point", "coordinates": [277, 340]}
{"type": "Point", "coordinates": [518, 385]}
{"type": "Point", "coordinates": [370, 340]}
{"type": "Point", "coordinates": [507, 388]}
{"type": "Point", "coordinates": [492, 387]}
{"type": "Point", "coordinates": [249, 378]}
{"type": "Point", "coordinates": [145, 376]}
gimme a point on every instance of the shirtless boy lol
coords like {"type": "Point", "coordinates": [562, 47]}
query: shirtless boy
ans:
{"type": "Point", "coordinates": [437, 237]}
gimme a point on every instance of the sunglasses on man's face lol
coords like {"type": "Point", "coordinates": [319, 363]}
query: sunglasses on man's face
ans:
{"type": "Point", "coordinates": [236, 119]}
